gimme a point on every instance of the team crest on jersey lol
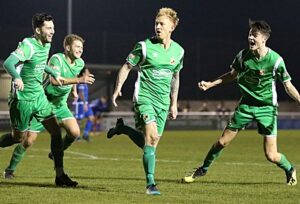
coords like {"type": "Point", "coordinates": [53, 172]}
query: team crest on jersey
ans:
{"type": "Point", "coordinates": [155, 54]}
{"type": "Point", "coordinates": [261, 72]}
{"type": "Point", "coordinates": [172, 61]}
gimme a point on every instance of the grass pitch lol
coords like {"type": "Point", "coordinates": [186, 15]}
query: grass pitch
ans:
{"type": "Point", "coordinates": [110, 171]}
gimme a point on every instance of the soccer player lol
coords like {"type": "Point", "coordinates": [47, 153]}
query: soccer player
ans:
{"type": "Point", "coordinates": [99, 106]}
{"type": "Point", "coordinates": [68, 65]}
{"type": "Point", "coordinates": [82, 108]}
{"type": "Point", "coordinates": [27, 99]}
{"type": "Point", "coordinates": [159, 60]}
{"type": "Point", "coordinates": [256, 70]}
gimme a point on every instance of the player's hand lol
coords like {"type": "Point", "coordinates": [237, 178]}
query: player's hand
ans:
{"type": "Point", "coordinates": [60, 80]}
{"type": "Point", "coordinates": [19, 84]}
{"type": "Point", "coordinates": [204, 85]}
{"type": "Point", "coordinates": [173, 112]}
{"type": "Point", "coordinates": [87, 79]}
{"type": "Point", "coordinates": [114, 97]}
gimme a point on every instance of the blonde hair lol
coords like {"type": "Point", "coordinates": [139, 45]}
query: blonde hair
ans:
{"type": "Point", "coordinates": [172, 14]}
{"type": "Point", "coordinates": [69, 39]}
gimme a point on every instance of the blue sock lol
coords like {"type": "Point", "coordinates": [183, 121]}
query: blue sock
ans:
{"type": "Point", "coordinates": [88, 128]}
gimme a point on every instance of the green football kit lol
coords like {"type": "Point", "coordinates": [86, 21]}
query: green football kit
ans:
{"type": "Point", "coordinates": [58, 95]}
{"type": "Point", "coordinates": [156, 67]}
{"type": "Point", "coordinates": [256, 80]}
{"type": "Point", "coordinates": [31, 101]}
{"type": "Point", "coordinates": [257, 83]}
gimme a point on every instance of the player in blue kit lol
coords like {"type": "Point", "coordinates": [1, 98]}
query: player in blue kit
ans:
{"type": "Point", "coordinates": [82, 109]}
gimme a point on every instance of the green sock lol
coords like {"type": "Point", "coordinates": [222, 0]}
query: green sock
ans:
{"type": "Point", "coordinates": [67, 141]}
{"type": "Point", "coordinates": [136, 136]}
{"type": "Point", "coordinates": [149, 163]}
{"type": "Point", "coordinates": [284, 163]}
{"type": "Point", "coordinates": [213, 154]}
{"type": "Point", "coordinates": [7, 140]}
{"type": "Point", "coordinates": [16, 157]}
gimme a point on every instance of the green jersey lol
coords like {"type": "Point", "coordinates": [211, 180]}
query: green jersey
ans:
{"type": "Point", "coordinates": [33, 57]}
{"type": "Point", "coordinates": [58, 95]}
{"type": "Point", "coordinates": [257, 78]}
{"type": "Point", "coordinates": [156, 67]}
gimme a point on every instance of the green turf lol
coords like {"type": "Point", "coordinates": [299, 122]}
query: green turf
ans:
{"type": "Point", "coordinates": [110, 171]}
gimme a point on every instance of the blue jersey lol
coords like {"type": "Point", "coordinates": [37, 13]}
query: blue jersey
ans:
{"type": "Point", "coordinates": [84, 89]}
{"type": "Point", "coordinates": [99, 106]}
{"type": "Point", "coordinates": [83, 93]}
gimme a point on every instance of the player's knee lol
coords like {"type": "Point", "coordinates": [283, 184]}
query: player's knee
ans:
{"type": "Point", "coordinates": [74, 133]}
{"type": "Point", "coordinates": [153, 139]}
{"type": "Point", "coordinates": [222, 144]}
{"type": "Point", "coordinates": [271, 157]}
{"type": "Point", "coordinates": [27, 143]}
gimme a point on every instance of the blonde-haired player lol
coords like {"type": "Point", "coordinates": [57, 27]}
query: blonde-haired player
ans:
{"type": "Point", "coordinates": [159, 59]}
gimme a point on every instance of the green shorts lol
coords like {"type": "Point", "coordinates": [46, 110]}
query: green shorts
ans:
{"type": "Point", "coordinates": [265, 116]}
{"type": "Point", "coordinates": [146, 113]}
{"type": "Point", "coordinates": [23, 111]}
{"type": "Point", "coordinates": [61, 113]}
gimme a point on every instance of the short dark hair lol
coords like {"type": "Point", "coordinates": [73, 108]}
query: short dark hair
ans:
{"type": "Point", "coordinates": [260, 26]}
{"type": "Point", "coordinates": [39, 18]}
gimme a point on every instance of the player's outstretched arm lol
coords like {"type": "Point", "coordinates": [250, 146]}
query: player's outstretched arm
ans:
{"type": "Point", "coordinates": [292, 91]}
{"type": "Point", "coordinates": [84, 79]}
{"type": "Point", "coordinates": [225, 78]}
{"type": "Point", "coordinates": [122, 76]}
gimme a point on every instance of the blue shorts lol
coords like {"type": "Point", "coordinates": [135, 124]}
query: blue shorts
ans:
{"type": "Point", "coordinates": [80, 113]}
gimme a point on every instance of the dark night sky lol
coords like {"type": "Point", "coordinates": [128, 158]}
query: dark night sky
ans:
{"type": "Point", "coordinates": [212, 33]}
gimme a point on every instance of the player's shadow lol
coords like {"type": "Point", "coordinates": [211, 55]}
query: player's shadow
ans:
{"type": "Point", "coordinates": [179, 181]}
{"type": "Point", "coordinates": [49, 185]}
{"type": "Point", "coordinates": [109, 178]}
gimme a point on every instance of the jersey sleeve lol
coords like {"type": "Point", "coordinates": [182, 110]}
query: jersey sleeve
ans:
{"type": "Point", "coordinates": [24, 50]}
{"type": "Point", "coordinates": [237, 62]}
{"type": "Point", "coordinates": [55, 63]}
{"type": "Point", "coordinates": [281, 72]}
{"type": "Point", "coordinates": [180, 64]}
{"type": "Point", "coordinates": [136, 55]}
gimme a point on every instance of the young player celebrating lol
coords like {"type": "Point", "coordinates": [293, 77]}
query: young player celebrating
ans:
{"type": "Point", "coordinates": [159, 59]}
{"type": "Point", "coordinates": [256, 70]}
